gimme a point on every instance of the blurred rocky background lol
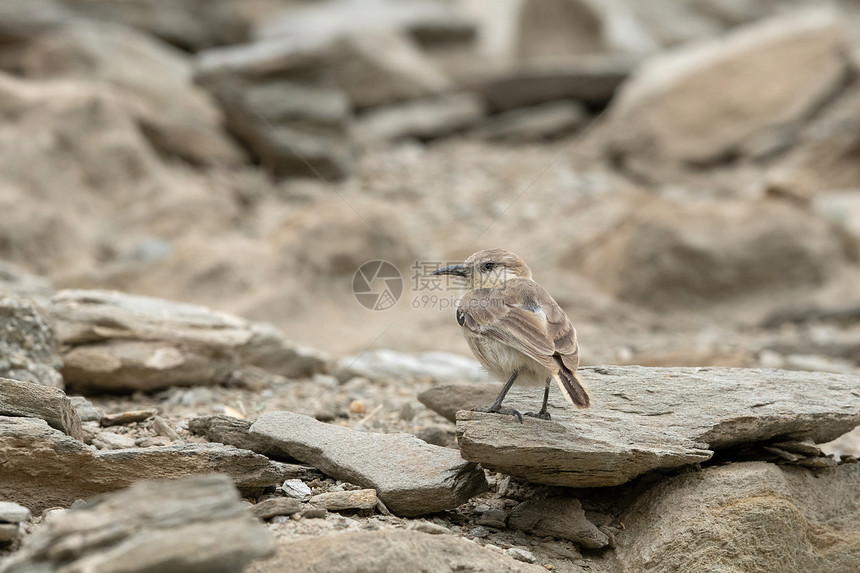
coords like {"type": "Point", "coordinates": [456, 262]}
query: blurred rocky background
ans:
{"type": "Point", "coordinates": [682, 175]}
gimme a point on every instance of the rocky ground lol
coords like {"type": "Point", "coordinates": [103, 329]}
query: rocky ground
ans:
{"type": "Point", "coordinates": [188, 194]}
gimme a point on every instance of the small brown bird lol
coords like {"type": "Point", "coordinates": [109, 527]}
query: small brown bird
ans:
{"type": "Point", "coordinates": [515, 328]}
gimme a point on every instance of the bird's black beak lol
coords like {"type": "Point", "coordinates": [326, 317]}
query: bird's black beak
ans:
{"type": "Point", "coordinates": [456, 270]}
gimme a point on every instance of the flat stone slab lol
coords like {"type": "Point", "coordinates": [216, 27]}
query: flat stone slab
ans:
{"type": "Point", "coordinates": [42, 467]}
{"type": "Point", "coordinates": [192, 524]}
{"type": "Point", "coordinates": [644, 419]}
{"type": "Point", "coordinates": [410, 476]}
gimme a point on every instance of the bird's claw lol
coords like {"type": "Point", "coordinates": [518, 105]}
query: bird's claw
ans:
{"type": "Point", "coordinates": [503, 411]}
{"type": "Point", "coordinates": [539, 415]}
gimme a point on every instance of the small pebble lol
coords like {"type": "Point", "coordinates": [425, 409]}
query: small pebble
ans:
{"type": "Point", "coordinates": [297, 489]}
{"type": "Point", "coordinates": [480, 532]}
{"type": "Point", "coordinates": [112, 441]}
{"type": "Point", "coordinates": [357, 407]}
{"type": "Point", "coordinates": [522, 555]}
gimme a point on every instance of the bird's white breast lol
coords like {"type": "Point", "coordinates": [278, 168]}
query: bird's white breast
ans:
{"type": "Point", "coordinates": [501, 360]}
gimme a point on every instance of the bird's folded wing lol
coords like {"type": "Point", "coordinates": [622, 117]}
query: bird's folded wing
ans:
{"type": "Point", "coordinates": [524, 316]}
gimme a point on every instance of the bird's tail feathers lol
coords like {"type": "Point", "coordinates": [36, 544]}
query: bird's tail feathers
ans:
{"type": "Point", "coordinates": [571, 388]}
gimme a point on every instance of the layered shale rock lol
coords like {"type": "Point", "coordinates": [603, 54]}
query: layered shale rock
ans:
{"type": "Point", "coordinates": [644, 419]}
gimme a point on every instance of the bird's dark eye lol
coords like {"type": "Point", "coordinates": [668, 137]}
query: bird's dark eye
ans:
{"type": "Point", "coordinates": [488, 266]}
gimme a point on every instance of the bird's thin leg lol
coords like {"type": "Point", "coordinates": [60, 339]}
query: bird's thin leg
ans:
{"type": "Point", "coordinates": [543, 414]}
{"type": "Point", "coordinates": [496, 407]}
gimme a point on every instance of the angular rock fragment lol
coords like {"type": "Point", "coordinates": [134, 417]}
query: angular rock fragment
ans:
{"type": "Point", "coordinates": [743, 94]}
{"type": "Point", "coordinates": [28, 349]}
{"type": "Point", "coordinates": [276, 506]}
{"type": "Point", "coordinates": [592, 81]}
{"type": "Point", "coordinates": [644, 419]}
{"type": "Point", "coordinates": [446, 400]}
{"type": "Point", "coordinates": [410, 476]}
{"type": "Point", "coordinates": [389, 551]}
{"type": "Point", "coordinates": [236, 432]}
{"type": "Point", "coordinates": [191, 524]}
{"type": "Point", "coordinates": [353, 499]}
{"type": "Point", "coordinates": [130, 417]}
{"type": "Point", "coordinates": [18, 398]}
{"type": "Point", "coordinates": [45, 468]}
{"type": "Point", "coordinates": [558, 517]}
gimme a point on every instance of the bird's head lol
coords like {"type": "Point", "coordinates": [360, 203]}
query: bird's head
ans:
{"type": "Point", "coordinates": [488, 268]}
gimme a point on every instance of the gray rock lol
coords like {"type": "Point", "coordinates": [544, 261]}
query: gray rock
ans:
{"type": "Point", "coordinates": [426, 21]}
{"type": "Point", "coordinates": [739, 95]}
{"type": "Point", "coordinates": [13, 513]}
{"type": "Point", "coordinates": [294, 130]}
{"type": "Point", "coordinates": [87, 412]}
{"type": "Point", "coordinates": [160, 426]}
{"type": "Point", "coordinates": [446, 400]}
{"type": "Point", "coordinates": [752, 516]}
{"type": "Point", "coordinates": [392, 365]}
{"type": "Point", "coordinates": [31, 400]}
{"type": "Point", "coordinates": [276, 506]}
{"type": "Point", "coordinates": [116, 341]}
{"type": "Point", "coordinates": [494, 518]}
{"type": "Point", "coordinates": [533, 123]}
{"type": "Point", "coordinates": [45, 468]}
{"type": "Point", "coordinates": [113, 441]}
{"type": "Point", "coordinates": [235, 432]}
{"type": "Point", "coordinates": [191, 524]}
{"type": "Point", "coordinates": [373, 69]}
{"type": "Point", "coordinates": [297, 489]}
{"type": "Point", "coordinates": [410, 476]}
{"type": "Point", "coordinates": [558, 517]}
{"type": "Point", "coordinates": [352, 499]}
{"type": "Point", "coordinates": [130, 417]}
{"type": "Point", "coordinates": [420, 119]}
{"type": "Point", "coordinates": [388, 551]}
{"type": "Point", "coordinates": [591, 80]}
{"type": "Point", "coordinates": [644, 419]}
{"type": "Point", "coordinates": [522, 555]}
{"type": "Point", "coordinates": [821, 161]}
{"type": "Point", "coordinates": [28, 349]}
{"type": "Point", "coordinates": [191, 26]}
